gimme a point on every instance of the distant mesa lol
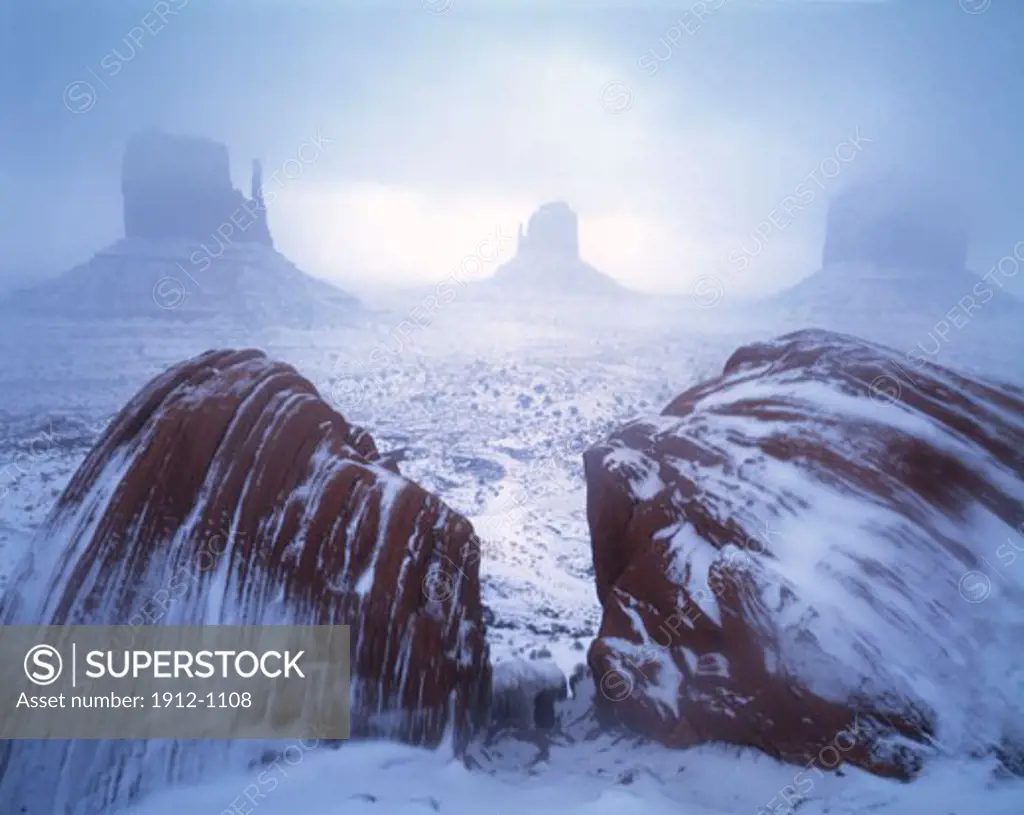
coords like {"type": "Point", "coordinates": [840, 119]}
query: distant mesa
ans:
{"type": "Point", "coordinates": [548, 259]}
{"type": "Point", "coordinates": [553, 231]}
{"type": "Point", "coordinates": [893, 224]}
{"type": "Point", "coordinates": [180, 187]}
{"type": "Point", "coordinates": [195, 248]}
{"type": "Point", "coordinates": [894, 243]}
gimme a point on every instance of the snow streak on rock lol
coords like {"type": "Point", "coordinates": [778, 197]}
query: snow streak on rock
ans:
{"type": "Point", "coordinates": [801, 552]}
{"type": "Point", "coordinates": [228, 492]}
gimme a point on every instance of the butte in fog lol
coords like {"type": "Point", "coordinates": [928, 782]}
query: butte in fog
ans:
{"type": "Point", "coordinates": [895, 246]}
{"type": "Point", "coordinates": [547, 262]}
{"type": "Point", "coordinates": [194, 248]}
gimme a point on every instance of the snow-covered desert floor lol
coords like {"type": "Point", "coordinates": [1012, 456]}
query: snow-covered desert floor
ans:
{"type": "Point", "coordinates": [493, 417]}
{"type": "Point", "coordinates": [364, 779]}
{"type": "Point", "coordinates": [493, 411]}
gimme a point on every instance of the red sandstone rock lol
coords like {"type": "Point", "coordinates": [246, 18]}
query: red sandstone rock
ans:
{"type": "Point", "coordinates": [235, 449]}
{"type": "Point", "coordinates": [784, 556]}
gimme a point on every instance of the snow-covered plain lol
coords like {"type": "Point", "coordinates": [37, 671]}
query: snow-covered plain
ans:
{"type": "Point", "coordinates": [364, 779]}
{"type": "Point", "coordinates": [493, 409]}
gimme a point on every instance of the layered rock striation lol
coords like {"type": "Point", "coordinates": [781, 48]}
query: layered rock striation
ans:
{"type": "Point", "coordinates": [312, 527]}
{"type": "Point", "coordinates": [795, 556]}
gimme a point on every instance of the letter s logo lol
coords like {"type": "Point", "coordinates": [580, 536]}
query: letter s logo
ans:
{"type": "Point", "coordinates": [43, 664]}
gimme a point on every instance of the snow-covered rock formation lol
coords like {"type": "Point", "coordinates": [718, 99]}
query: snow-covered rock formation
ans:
{"type": "Point", "coordinates": [180, 187]}
{"type": "Point", "coordinates": [897, 246]}
{"type": "Point", "coordinates": [553, 230]}
{"type": "Point", "coordinates": [547, 261]}
{"type": "Point", "coordinates": [195, 248]}
{"type": "Point", "coordinates": [893, 224]}
{"type": "Point", "coordinates": [244, 284]}
{"type": "Point", "coordinates": [524, 693]}
{"type": "Point", "coordinates": [800, 556]}
{"type": "Point", "coordinates": [231, 469]}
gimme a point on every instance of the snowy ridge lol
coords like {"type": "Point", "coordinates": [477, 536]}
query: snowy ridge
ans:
{"type": "Point", "coordinates": [831, 525]}
{"type": "Point", "coordinates": [244, 283]}
{"type": "Point", "coordinates": [601, 778]}
{"type": "Point", "coordinates": [551, 277]}
{"type": "Point", "coordinates": [848, 296]}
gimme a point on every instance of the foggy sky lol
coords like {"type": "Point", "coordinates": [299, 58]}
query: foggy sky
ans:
{"type": "Point", "coordinates": [673, 137]}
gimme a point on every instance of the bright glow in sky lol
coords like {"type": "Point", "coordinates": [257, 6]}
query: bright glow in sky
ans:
{"type": "Point", "coordinates": [445, 127]}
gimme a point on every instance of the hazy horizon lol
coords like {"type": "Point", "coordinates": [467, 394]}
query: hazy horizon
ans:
{"type": "Point", "coordinates": [674, 136]}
